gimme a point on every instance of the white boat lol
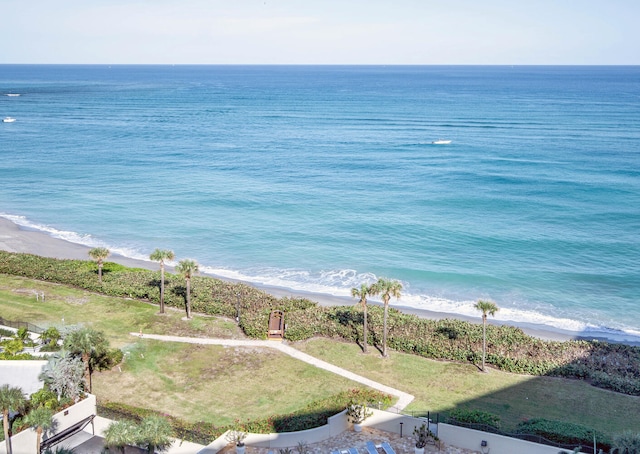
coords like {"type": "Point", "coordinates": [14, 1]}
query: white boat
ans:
{"type": "Point", "coordinates": [8, 120]}
{"type": "Point", "coordinates": [13, 94]}
{"type": "Point", "coordinates": [441, 142]}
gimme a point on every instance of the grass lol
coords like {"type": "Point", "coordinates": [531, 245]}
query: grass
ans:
{"type": "Point", "coordinates": [217, 385]}
{"type": "Point", "coordinates": [442, 386]}
{"type": "Point", "coordinates": [194, 382]}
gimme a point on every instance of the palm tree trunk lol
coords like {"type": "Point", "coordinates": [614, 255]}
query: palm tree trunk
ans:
{"type": "Point", "coordinates": [384, 328]}
{"type": "Point", "coordinates": [162, 288]}
{"type": "Point", "coordinates": [188, 298]}
{"type": "Point", "coordinates": [5, 423]}
{"type": "Point", "coordinates": [484, 339]}
{"type": "Point", "coordinates": [38, 439]}
{"type": "Point", "coordinates": [100, 272]}
{"type": "Point", "coordinates": [364, 331]}
{"type": "Point", "coordinates": [87, 371]}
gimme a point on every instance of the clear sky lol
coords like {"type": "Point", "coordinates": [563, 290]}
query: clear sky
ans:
{"type": "Point", "coordinates": [512, 32]}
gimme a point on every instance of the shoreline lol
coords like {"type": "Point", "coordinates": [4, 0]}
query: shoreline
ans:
{"type": "Point", "coordinates": [15, 238]}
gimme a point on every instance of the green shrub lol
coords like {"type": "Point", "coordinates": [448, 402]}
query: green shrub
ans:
{"type": "Point", "coordinates": [564, 432]}
{"type": "Point", "coordinates": [610, 366]}
{"type": "Point", "coordinates": [475, 417]}
{"type": "Point", "coordinates": [44, 398]}
{"type": "Point", "coordinates": [12, 346]}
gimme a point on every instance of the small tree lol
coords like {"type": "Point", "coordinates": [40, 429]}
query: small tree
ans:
{"type": "Point", "coordinates": [50, 336]}
{"type": "Point", "coordinates": [161, 255]}
{"type": "Point", "coordinates": [64, 375]}
{"type": "Point", "coordinates": [155, 432]}
{"type": "Point", "coordinates": [387, 288]}
{"type": "Point", "coordinates": [187, 268]}
{"type": "Point", "coordinates": [362, 293]}
{"type": "Point", "coordinates": [99, 254]}
{"type": "Point", "coordinates": [626, 442]}
{"type": "Point", "coordinates": [86, 342]}
{"type": "Point", "coordinates": [486, 307]}
{"type": "Point", "coordinates": [422, 434]}
{"type": "Point", "coordinates": [120, 434]}
{"type": "Point", "coordinates": [41, 419]}
{"type": "Point", "coordinates": [11, 399]}
{"type": "Point", "coordinates": [357, 413]}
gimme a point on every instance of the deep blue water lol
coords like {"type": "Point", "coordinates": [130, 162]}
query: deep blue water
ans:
{"type": "Point", "coordinates": [321, 177]}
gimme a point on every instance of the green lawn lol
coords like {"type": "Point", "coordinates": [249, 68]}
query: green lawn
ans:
{"type": "Point", "coordinates": [218, 385]}
{"type": "Point", "coordinates": [441, 386]}
{"type": "Point", "coordinates": [194, 382]}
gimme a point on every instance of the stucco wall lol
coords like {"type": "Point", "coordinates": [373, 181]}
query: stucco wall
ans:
{"type": "Point", "coordinates": [496, 444]}
{"type": "Point", "coordinates": [25, 441]}
{"type": "Point", "coordinates": [390, 422]}
{"type": "Point", "coordinates": [23, 374]}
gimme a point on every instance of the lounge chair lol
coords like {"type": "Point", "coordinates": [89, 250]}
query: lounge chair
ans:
{"type": "Point", "coordinates": [386, 447]}
{"type": "Point", "coordinates": [353, 451]}
{"type": "Point", "coordinates": [371, 448]}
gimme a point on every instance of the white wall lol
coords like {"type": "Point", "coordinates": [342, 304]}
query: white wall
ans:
{"type": "Point", "coordinates": [23, 374]}
{"type": "Point", "coordinates": [25, 441]}
{"type": "Point", "coordinates": [496, 444]}
{"type": "Point", "coordinates": [390, 422]}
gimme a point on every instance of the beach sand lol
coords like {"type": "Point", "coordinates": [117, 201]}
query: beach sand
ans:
{"type": "Point", "coordinates": [14, 238]}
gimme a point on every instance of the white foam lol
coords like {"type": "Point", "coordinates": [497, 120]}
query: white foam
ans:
{"type": "Point", "coordinates": [73, 237]}
{"type": "Point", "coordinates": [339, 283]}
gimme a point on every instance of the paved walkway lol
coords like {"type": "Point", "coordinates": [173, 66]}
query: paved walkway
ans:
{"type": "Point", "coordinates": [404, 399]}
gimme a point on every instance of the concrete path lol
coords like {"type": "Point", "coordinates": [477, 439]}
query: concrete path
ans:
{"type": "Point", "coordinates": [404, 399]}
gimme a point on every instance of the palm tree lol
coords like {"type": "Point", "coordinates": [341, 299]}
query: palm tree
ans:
{"type": "Point", "coordinates": [626, 442]}
{"type": "Point", "coordinates": [99, 254]}
{"type": "Point", "coordinates": [86, 342]}
{"type": "Point", "coordinates": [187, 268]}
{"type": "Point", "coordinates": [155, 432]}
{"type": "Point", "coordinates": [386, 288]}
{"type": "Point", "coordinates": [362, 293]}
{"type": "Point", "coordinates": [119, 435]}
{"type": "Point", "coordinates": [160, 255]}
{"type": "Point", "coordinates": [41, 419]}
{"type": "Point", "coordinates": [486, 307]}
{"type": "Point", "coordinates": [11, 399]}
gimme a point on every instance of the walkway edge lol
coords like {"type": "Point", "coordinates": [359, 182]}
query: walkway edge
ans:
{"type": "Point", "coordinates": [404, 399]}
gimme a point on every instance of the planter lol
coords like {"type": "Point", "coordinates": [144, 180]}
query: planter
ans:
{"type": "Point", "coordinates": [357, 427]}
{"type": "Point", "coordinates": [240, 449]}
{"type": "Point", "coordinates": [419, 450]}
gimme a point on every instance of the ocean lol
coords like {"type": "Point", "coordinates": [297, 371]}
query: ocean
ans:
{"type": "Point", "coordinates": [320, 178]}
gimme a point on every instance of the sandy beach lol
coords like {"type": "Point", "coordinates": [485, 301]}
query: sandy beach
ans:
{"type": "Point", "coordinates": [14, 238]}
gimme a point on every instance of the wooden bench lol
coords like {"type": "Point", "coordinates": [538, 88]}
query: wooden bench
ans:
{"type": "Point", "coordinates": [276, 325]}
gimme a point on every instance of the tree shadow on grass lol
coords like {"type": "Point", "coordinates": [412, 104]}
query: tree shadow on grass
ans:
{"type": "Point", "coordinates": [353, 320]}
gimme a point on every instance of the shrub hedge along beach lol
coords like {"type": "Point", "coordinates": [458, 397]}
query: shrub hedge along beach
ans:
{"type": "Point", "coordinates": [605, 365]}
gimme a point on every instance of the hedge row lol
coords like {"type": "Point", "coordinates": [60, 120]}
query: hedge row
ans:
{"type": "Point", "coordinates": [564, 433]}
{"type": "Point", "coordinates": [558, 432]}
{"type": "Point", "coordinates": [610, 366]}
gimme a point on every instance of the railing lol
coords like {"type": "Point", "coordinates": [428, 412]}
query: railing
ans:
{"type": "Point", "coordinates": [534, 438]}
{"type": "Point", "coordinates": [16, 324]}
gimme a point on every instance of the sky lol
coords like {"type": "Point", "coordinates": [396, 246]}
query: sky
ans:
{"type": "Point", "coordinates": [390, 32]}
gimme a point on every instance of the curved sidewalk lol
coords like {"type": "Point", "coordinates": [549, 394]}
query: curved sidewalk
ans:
{"type": "Point", "coordinates": [404, 399]}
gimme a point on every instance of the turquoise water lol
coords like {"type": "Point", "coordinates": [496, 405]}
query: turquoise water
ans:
{"type": "Point", "coordinates": [320, 178]}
